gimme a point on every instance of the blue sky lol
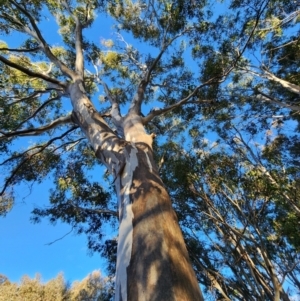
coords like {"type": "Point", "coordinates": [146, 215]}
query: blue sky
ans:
{"type": "Point", "coordinates": [24, 248]}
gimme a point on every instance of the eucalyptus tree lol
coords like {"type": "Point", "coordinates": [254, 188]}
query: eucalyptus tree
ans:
{"type": "Point", "coordinates": [270, 68]}
{"type": "Point", "coordinates": [180, 59]}
{"type": "Point", "coordinates": [237, 193]}
{"type": "Point", "coordinates": [238, 224]}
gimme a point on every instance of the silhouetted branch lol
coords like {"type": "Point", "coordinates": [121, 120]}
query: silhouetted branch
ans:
{"type": "Point", "coordinates": [31, 73]}
{"type": "Point", "coordinates": [37, 131]}
{"type": "Point", "coordinates": [15, 171]}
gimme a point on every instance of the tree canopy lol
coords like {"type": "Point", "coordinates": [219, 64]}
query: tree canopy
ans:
{"type": "Point", "coordinates": [215, 84]}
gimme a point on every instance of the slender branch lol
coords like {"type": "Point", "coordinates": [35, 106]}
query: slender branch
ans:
{"type": "Point", "coordinates": [20, 50]}
{"type": "Point", "coordinates": [15, 171]}
{"type": "Point", "coordinates": [19, 155]}
{"type": "Point", "coordinates": [38, 131]}
{"type": "Point", "coordinates": [261, 10]}
{"type": "Point", "coordinates": [139, 96]}
{"type": "Point", "coordinates": [268, 98]}
{"type": "Point", "coordinates": [31, 73]}
{"type": "Point", "coordinates": [287, 19]}
{"type": "Point", "coordinates": [265, 172]}
{"type": "Point", "coordinates": [183, 101]}
{"type": "Point", "coordinates": [37, 34]}
{"type": "Point", "coordinates": [37, 110]}
{"type": "Point", "coordinates": [212, 275]}
{"type": "Point", "coordinates": [73, 142]}
{"type": "Point", "coordinates": [283, 45]}
{"type": "Point", "coordinates": [215, 80]}
{"type": "Point", "coordinates": [54, 241]}
{"type": "Point", "coordinates": [16, 100]}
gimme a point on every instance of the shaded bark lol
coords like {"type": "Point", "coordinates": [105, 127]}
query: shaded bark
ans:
{"type": "Point", "coordinates": [152, 261]}
{"type": "Point", "coordinates": [159, 266]}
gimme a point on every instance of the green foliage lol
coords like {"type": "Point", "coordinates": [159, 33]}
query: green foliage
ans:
{"type": "Point", "coordinates": [6, 203]}
{"type": "Point", "coordinates": [227, 148]}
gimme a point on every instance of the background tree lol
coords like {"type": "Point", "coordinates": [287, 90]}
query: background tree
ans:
{"type": "Point", "coordinates": [236, 193]}
{"type": "Point", "coordinates": [223, 92]}
{"type": "Point", "coordinates": [92, 288]}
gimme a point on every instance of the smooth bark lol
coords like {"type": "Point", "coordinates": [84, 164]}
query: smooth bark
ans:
{"type": "Point", "coordinates": [152, 260]}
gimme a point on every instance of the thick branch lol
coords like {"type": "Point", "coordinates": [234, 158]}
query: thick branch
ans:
{"type": "Point", "coordinates": [115, 110]}
{"type": "Point", "coordinates": [112, 99]}
{"type": "Point", "coordinates": [38, 131]}
{"type": "Point", "coordinates": [289, 86]}
{"type": "Point", "coordinates": [79, 61]}
{"type": "Point", "coordinates": [31, 73]}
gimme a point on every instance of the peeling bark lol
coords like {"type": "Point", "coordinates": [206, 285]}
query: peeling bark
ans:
{"type": "Point", "coordinates": [152, 260]}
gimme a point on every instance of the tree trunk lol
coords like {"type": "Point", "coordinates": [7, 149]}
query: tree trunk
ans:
{"type": "Point", "coordinates": [152, 260]}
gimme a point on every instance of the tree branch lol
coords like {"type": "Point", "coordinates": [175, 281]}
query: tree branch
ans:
{"type": "Point", "coordinates": [285, 84]}
{"type": "Point", "coordinates": [35, 147]}
{"type": "Point", "coordinates": [31, 73]}
{"type": "Point", "coordinates": [215, 80]}
{"type": "Point", "coordinates": [45, 47]}
{"type": "Point", "coordinates": [52, 242]}
{"type": "Point", "coordinates": [282, 46]}
{"type": "Point", "coordinates": [139, 96]}
{"type": "Point", "coordinates": [115, 109]}
{"type": "Point", "coordinates": [287, 19]}
{"type": "Point", "coordinates": [14, 172]}
{"type": "Point", "coordinates": [38, 131]}
{"type": "Point", "coordinates": [20, 50]}
{"type": "Point", "coordinates": [16, 100]}
{"type": "Point", "coordinates": [98, 211]}
{"type": "Point", "coordinates": [79, 61]}
{"type": "Point", "coordinates": [37, 110]}
{"type": "Point", "coordinates": [268, 98]}
{"type": "Point", "coordinates": [240, 53]}
{"type": "Point", "coordinates": [183, 101]}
